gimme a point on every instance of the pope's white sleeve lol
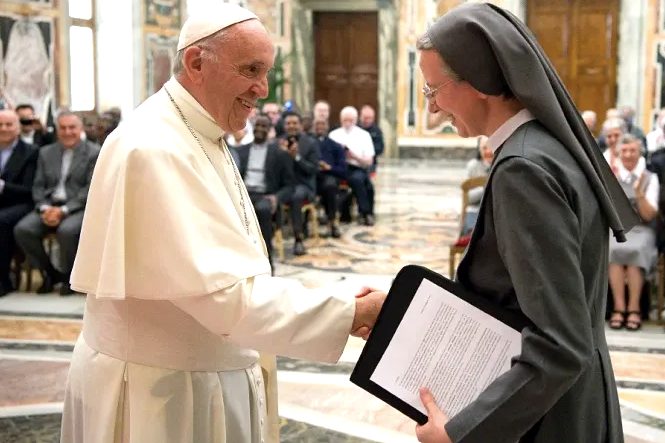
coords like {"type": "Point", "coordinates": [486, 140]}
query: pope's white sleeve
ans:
{"type": "Point", "coordinates": [277, 315]}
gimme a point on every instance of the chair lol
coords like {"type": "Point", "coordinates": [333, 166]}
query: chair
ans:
{"type": "Point", "coordinates": [309, 211]}
{"type": "Point", "coordinates": [660, 288]}
{"type": "Point", "coordinates": [458, 247]}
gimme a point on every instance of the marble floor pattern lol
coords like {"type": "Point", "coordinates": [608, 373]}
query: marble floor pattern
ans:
{"type": "Point", "coordinates": [417, 207]}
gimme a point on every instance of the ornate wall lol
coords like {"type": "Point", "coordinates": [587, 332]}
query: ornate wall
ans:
{"type": "Point", "coordinates": [29, 55]}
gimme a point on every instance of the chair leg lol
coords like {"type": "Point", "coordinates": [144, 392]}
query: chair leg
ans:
{"type": "Point", "coordinates": [660, 303]}
{"type": "Point", "coordinates": [278, 241]}
{"type": "Point", "coordinates": [451, 263]}
{"type": "Point", "coordinates": [315, 222]}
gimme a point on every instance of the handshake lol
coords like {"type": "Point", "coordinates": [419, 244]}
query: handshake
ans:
{"type": "Point", "coordinates": [368, 304]}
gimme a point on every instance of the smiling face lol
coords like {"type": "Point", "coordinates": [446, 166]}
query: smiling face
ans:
{"type": "Point", "coordinates": [9, 127]}
{"type": "Point", "coordinates": [629, 153]}
{"type": "Point", "coordinates": [458, 100]}
{"type": "Point", "coordinates": [232, 74]}
{"type": "Point", "coordinates": [261, 129]}
{"type": "Point", "coordinates": [69, 130]}
{"type": "Point", "coordinates": [292, 125]}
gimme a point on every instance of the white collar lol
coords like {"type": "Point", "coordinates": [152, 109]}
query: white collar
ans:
{"type": "Point", "coordinates": [196, 114]}
{"type": "Point", "coordinates": [637, 170]}
{"type": "Point", "coordinates": [508, 128]}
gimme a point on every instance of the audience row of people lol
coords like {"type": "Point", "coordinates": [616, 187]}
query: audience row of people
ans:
{"type": "Point", "coordinates": [630, 262]}
{"type": "Point", "coordinates": [295, 166]}
{"type": "Point", "coordinates": [42, 191]}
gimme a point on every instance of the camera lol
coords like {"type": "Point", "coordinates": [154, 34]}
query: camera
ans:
{"type": "Point", "coordinates": [292, 140]}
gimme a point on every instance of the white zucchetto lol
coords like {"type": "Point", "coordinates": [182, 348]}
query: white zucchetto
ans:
{"type": "Point", "coordinates": [211, 20]}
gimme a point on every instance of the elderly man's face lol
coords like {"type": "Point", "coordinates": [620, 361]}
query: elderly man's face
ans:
{"type": "Point", "coordinates": [457, 100]}
{"type": "Point", "coordinates": [612, 136]}
{"type": "Point", "coordinates": [347, 120]}
{"type": "Point", "coordinates": [321, 111]}
{"type": "Point", "coordinates": [629, 153]}
{"type": "Point", "coordinates": [9, 127]}
{"type": "Point", "coordinates": [367, 117]}
{"type": "Point", "coordinates": [238, 77]}
{"type": "Point", "coordinates": [69, 130]}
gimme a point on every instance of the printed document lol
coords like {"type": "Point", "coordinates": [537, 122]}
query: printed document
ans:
{"type": "Point", "coordinates": [447, 345]}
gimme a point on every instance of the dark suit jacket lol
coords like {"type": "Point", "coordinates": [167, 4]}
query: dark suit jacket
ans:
{"type": "Point", "coordinates": [540, 247]}
{"type": "Point", "coordinates": [308, 165]}
{"type": "Point", "coordinates": [279, 173]}
{"type": "Point", "coordinates": [19, 174]}
{"type": "Point", "coordinates": [377, 139]}
{"type": "Point", "coordinates": [77, 183]}
{"type": "Point", "coordinates": [333, 154]}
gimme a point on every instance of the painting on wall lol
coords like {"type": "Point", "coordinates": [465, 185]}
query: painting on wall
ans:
{"type": "Point", "coordinates": [163, 13]}
{"type": "Point", "coordinates": [160, 51]}
{"type": "Point", "coordinates": [27, 62]}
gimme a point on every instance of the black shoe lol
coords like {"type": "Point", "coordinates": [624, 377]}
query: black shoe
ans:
{"type": "Point", "coordinates": [369, 220]}
{"type": "Point", "coordinates": [334, 232]}
{"type": "Point", "coordinates": [47, 284]}
{"type": "Point", "coordinates": [65, 289]}
{"type": "Point", "coordinates": [299, 248]}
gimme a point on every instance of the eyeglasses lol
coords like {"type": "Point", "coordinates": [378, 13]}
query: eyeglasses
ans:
{"type": "Point", "coordinates": [430, 92]}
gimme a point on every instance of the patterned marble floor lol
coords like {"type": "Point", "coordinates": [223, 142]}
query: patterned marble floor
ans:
{"type": "Point", "coordinates": [417, 207]}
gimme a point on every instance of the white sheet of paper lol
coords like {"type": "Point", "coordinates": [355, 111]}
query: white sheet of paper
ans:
{"type": "Point", "coordinates": [448, 346]}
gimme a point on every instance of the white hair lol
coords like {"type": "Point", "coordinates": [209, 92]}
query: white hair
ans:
{"type": "Point", "coordinates": [614, 123]}
{"type": "Point", "coordinates": [348, 111]}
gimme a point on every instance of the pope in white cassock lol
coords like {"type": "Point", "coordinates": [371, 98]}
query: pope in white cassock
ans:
{"type": "Point", "coordinates": [179, 292]}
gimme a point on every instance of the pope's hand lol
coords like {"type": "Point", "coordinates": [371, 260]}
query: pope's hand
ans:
{"type": "Point", "coordinates": [368, 305]}
{"type": "Point", "coordinates": [434, 430]}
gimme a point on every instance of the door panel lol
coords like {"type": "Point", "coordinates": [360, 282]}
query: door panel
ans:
{"type": "Point", "coordinates": [580, 38]}
{"type": "Point", "coordinates": [346, 60]}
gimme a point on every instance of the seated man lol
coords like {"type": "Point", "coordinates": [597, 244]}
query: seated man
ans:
{"type": "Point", "coordinates": [368, 123]}
{"type": "Point", "coordinates": [268, 175]}
{"type": "Point", "coordinates": [60, 191]}
{"type": "Point", "coordinates": [304, 153]}
{"type": "Point", "coordinates": [359, 158]}
{"type": "Point", "coordinates": [32, 131]}
{"type": "Point", "coordinates": [332, 169]}
{"type": "Point", "coordinates": [18, 161]}
{"type": "Point", "coordinates": [629, 261]}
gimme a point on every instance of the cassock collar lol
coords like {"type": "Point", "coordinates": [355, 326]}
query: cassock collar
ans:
{"type": "Point", "coordinates": [200, 120]}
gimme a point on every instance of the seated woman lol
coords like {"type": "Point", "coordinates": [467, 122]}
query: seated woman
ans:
{"type": "Point", "coordinates": [629, 261]}
{"type": "Point", "coordinates": [477, 167]}
{"type": "Point", "coordinates": [612, 130]}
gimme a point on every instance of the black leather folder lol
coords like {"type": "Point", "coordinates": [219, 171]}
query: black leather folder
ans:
{"type": "Point", "coordinates": [399, 297]}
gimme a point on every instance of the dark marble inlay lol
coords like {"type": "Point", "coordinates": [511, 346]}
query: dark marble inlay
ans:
{"type": "Point", "coordinates": [18, 346]}
{"type": "Point", "coordinates": [637, 349]}
{"type": "Point", "coordinates": [42, 315]}
{"type": "Point", "coordinates": [645, 386]}
{"type": "Point", "coordinates": [31, 429]}
{"type": "Point", "coordinates": [298, 432]}
{"type": "Point", "coordinates": [643, 419]}
{"type": "Point", "coordinates": [46, 429]}
{"type": "Point", "coordinates": [292, 364]}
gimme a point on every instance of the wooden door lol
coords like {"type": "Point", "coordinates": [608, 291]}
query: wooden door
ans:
{"type": "Point", "coordinates": [346, 60]}
{"type": "Point", "coordinates": [580, 38]}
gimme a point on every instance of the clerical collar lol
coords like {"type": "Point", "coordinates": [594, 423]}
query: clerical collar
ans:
{"type": "Point", "coordinates": [508, 127]}
{"type": "Point", "coordinates": [196, 115]}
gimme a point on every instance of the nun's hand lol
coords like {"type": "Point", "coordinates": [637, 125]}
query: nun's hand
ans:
{"type": "Point", "coordinates": [433, 431]}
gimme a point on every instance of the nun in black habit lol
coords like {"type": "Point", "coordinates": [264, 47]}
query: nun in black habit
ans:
{"type": "Point", "coordinates": [540, 245]}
